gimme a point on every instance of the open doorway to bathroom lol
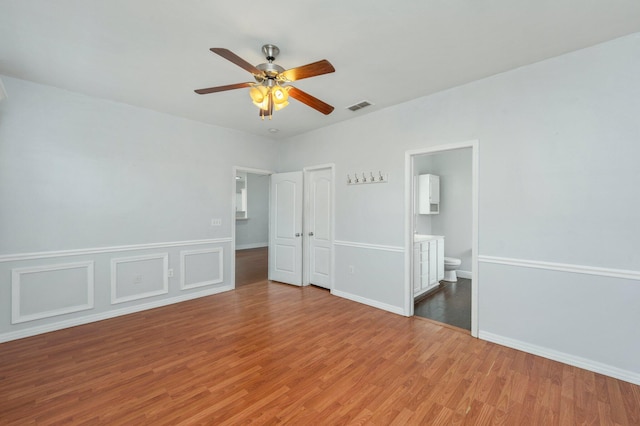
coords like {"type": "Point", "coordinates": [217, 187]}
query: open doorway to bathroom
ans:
{"type": "Point", "coordinates": [443, 236]}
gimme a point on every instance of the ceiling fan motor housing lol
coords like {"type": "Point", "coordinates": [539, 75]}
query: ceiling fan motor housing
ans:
{"type": "Point", "coordinates": [271, 70]}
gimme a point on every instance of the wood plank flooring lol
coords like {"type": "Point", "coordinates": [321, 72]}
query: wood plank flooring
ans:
{"type": "Point", "coordinates": [269, 353]}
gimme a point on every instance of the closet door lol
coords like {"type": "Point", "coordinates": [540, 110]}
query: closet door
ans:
{"type": "Point", "coordinates": [319, 227]}
{"type": "Point", "coordinates": [285, 228]}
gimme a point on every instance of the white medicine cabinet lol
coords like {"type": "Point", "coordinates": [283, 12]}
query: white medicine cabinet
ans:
{"type": "Point", "coordinates": [428, 194]}
{"type": "Point", "coordinates": [241, 196]}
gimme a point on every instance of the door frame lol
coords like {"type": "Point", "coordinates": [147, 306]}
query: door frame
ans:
{"type": "Point", "coordinates": [306, 212]}
{"type": "Point", "coordinates": [410, 189]}
{"type": "Point", "coordinates": [234, 171]}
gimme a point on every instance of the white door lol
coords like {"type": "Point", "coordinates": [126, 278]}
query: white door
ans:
{"type": "Point", "coordinates": [319, 227]}
{"type": "Point", "coordinates": [285, 228]}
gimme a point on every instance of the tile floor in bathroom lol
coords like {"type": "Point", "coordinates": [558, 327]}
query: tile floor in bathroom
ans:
{"type": "Point", "coordinates": [450, 304]}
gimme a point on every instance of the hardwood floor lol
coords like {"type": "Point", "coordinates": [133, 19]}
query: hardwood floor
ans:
{"type": "Point", "coordinates": [251, 265]}
{"type": "Point", "coordinates": [449, 304]}
{"type": "Point", "coordinates": [271, 353]}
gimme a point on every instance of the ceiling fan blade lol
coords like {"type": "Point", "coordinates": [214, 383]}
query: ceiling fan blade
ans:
{"type": "Point", "coordinates": [223, 88]}
{"type": "Point", "coordinates": [230, 56]}
{"type": "Point", "coordinates": [309, 70]}
{"type": "Point", "coordinates": [311, 101]}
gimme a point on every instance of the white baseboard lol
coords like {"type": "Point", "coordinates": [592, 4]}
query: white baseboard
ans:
{"type": "Point", "coordinates": [465, 274]}
{"type": "Point", "coordinates": [251, 246]}
{"type": "Point", "coordinates": [587, 364]}
{"type": "Point", "coordinates": [32, 331]}
{"type": "Point", "coordinates": [374, 303]}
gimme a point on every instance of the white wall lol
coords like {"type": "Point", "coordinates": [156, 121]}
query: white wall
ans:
{"type": "Point", "coordinates": [558, 150]}
{"type": "Point", "coordinates": [89, 184]}
{"type": "Point", "coordinates": [455, 218]}
{"type": "Point", "coordinates": [254, 231]}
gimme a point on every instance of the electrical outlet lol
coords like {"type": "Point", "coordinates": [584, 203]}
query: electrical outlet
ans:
{"type": "Point", "coordinates": [216, 222]}
{"type": "Point", "coordinates": [170, 273]}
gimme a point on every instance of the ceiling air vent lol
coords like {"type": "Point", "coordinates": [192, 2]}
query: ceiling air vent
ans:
{"type": "Point", "coordinates": [359, 105]}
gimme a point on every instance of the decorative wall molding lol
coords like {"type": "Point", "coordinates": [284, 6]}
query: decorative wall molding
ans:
{"type": "Point", "coordinates": [386, 307]}
{"type": "Point", "coordinates": [395, 249]}
{"type": "Point", "coordinates": [184, 254]}
{"type": "Point", "coordinates": [587, 364]}
{"type": "Point", "coordinates": [164, 257]}
{"type": "Point", "coordinates": [563, 267]}
{"type": "Point", "coordinates": [16, 291]}
{"type": "Point", "coordinates": [111, 249]}
{"type": "Point", "coordinates": [33, 331]}
{"type": "Point", "coordinates": [251, 246]}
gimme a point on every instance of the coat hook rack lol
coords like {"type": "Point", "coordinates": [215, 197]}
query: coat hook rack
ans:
{"type": "Point", "coordinates": [359, 178]}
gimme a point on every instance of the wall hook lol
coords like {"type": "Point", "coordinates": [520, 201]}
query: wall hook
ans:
{"type": "Point", "coordinates": [361, 177]}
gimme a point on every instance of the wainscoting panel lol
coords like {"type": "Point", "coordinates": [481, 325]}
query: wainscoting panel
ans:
{"type": "Point", "coordinates": [199, 268]}
{"type": "Point", "coordinates": [50, 290]}
{"type": "Point", "coordinates": [372, 274]}
{"type": "Point", "coordinates": [138, 277]}
{"type": "Point", "coordinates": [46, 291]}
{"type": "Point", "coordinates": [571, 313]}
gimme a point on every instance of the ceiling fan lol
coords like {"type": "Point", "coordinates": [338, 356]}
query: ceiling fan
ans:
{"type": "Point", "coordinates": [270, 90]}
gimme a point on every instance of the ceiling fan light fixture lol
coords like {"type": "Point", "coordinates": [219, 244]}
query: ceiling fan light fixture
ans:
{"type": "Point", "coordinates": [280, 95]}
{"type": "Point", "coordinates": [278, 106]}
{"type": "Point", "coordinates": [262, 105]}
{"type": "Point", "coordinates": [258, 93]}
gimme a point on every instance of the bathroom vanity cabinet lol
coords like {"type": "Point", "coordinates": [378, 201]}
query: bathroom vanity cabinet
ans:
{"type": "Point", "coordinates": [428, 262]}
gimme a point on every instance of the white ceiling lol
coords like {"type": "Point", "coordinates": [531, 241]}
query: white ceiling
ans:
{"type": "Point", "coordinates": [154, 53]}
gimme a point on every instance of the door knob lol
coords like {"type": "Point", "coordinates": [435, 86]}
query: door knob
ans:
{"type": "Point", "coordinates": [311, 234]}
{"type": "Point", "coordinates": [297, 234]}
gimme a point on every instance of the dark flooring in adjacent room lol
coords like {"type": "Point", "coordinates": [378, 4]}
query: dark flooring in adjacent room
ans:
{"type": "Point", "coordinates": [449, 304]}
{"type": "Point", "coordinates": [251, 265]}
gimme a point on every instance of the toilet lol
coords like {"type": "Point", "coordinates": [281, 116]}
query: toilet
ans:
{"type": "Point", "coordinates": [451, 264]}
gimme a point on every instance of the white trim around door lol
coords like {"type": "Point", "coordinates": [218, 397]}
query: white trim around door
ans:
{"type": "Point", "coordinates": [409, 224]}
{"type": "Point", "coordinates": [235, 170]}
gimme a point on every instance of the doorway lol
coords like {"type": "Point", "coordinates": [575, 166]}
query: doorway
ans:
{"type": "Point", "coordinates": [452, 215]}
{"type": "Point", "coordinates": [300, 227]}
{"type": "Point", "coordinates": [250, 230]}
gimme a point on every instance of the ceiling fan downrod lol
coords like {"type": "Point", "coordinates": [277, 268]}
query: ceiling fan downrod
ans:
{"type": "Point", "coordinates": [271, 52]}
